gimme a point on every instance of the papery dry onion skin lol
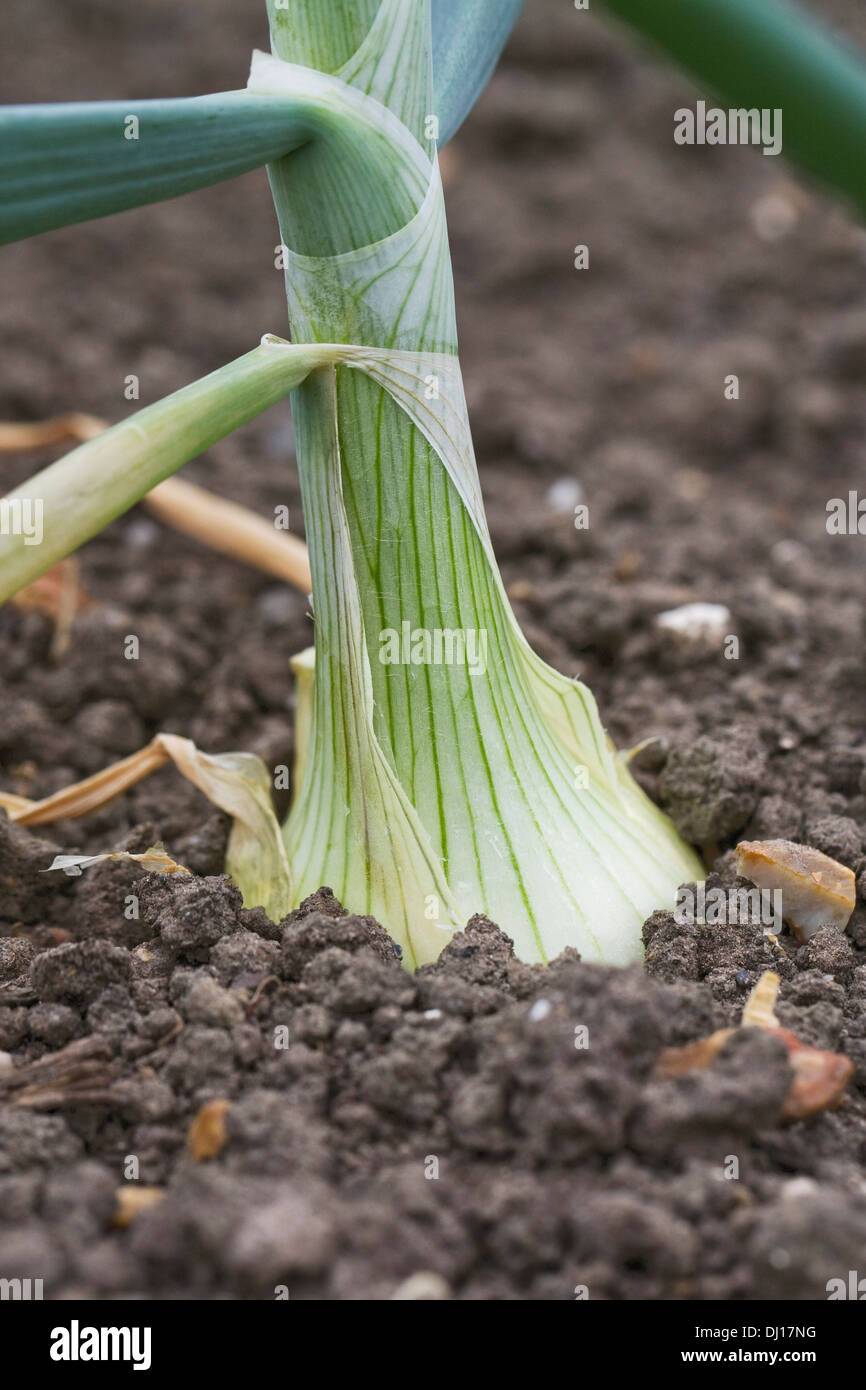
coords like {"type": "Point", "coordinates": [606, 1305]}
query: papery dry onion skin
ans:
{"type": "Point", "coordinates": [817, 891]}
{"type": "Point", "coordinates": [155, 860]}
{"type": "Point", "coordinates": [819, 1078]}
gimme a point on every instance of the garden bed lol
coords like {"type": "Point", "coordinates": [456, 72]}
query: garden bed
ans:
{"type": "Point", "coordinates": [559, 1167]}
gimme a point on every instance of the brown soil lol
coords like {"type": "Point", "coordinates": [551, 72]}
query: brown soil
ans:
{"type": "Point", "coordinates": [558, 1166]}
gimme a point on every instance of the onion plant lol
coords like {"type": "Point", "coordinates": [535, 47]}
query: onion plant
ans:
{"type": "Point", "coordinates": [442, 768]}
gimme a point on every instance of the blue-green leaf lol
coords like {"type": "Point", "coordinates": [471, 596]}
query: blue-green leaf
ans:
{"type": "Point", "coordinates": [69, 163]}
{"type": "Point", "coordinates": [468, 37]}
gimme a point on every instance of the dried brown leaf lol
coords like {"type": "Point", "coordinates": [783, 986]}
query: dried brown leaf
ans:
{"type": "Point", "coordinates": [133, 1200]}
{"type": "Point", "coordinates": [207, 1133]}
{"type": "Point", "coordinates": [60, 596]}
{"type": "Point", "coordinates": [218, 523]}
{"type": "Point", "coordinates": [696, 1056]}
{"type": "Point", "coordinates": [155, 860]}
{"type": "Point", "coordinates": [758, 1008]}
{"type": "Point", "coordinates": [819, 1079]}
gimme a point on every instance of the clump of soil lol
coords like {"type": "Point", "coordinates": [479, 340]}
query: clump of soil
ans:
{"type": "Point", "coordinates": [494, 1124]}
{"type": "Point", "coordinates": [448, 1123]}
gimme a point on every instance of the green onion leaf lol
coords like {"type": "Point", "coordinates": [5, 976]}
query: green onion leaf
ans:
{"type": "Point", "coordinates": [468, 37]}
{"type": "Point", "coordinates": [61, 507]}
{"type": "Point", "coordinates": [71, 162]}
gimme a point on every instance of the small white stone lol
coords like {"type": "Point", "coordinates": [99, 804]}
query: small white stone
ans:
{"type": "Point", "coordinates": [276, 604]}
{"type": "Point", "coordinates": [142, 533]}
{"type": "Point", "coordinates": [779, 1258]}
{"type": "Point", "coordinates": [797, 1188]}
{"type": "Point", "coordinates": [5, 1061]}
{"type": "Point", "coordinates": [788, 552]}
{"type": "Point", "coordinates": [432, 1013]}
{"type": "Point", "coordinates": [773, 216]}
{"type": "Point", "coordinates": [565, 494]}
{"type": "Point", "coordinates": [540, 1009]}
{"type": "Point", "coordinates": [696, 622]}
{"type": "Point", "coordinates": [423, 1287]}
